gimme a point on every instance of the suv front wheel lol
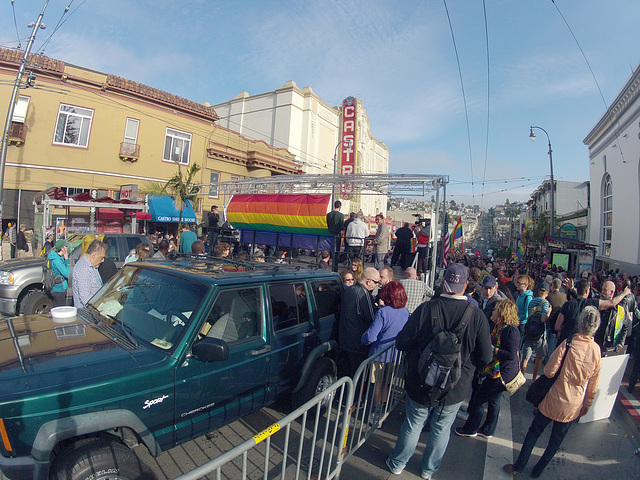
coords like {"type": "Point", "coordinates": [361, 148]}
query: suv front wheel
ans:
{"type": "Point", "coordinates": [36, 302]}
{"type": "Point", "coordinates": [99, 459]}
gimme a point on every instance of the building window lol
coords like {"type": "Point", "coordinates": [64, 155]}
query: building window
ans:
{"type": "Point", "coordinates": [214, 184]}
{"type": "Point", "coordinates": [607, 215]}
{"type": "Point", "coordinates": [71, 191]}
{"type": "Point", "coordinates": [74, 124]}
{"type": "Point", "coordinates": [176, 146]}
{"type": "Point", "coordinates": [131, 130]}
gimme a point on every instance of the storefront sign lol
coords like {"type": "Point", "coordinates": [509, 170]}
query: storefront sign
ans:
{"type": "Point", "coordinates": [347, 157]}
{"type": "Point", "coordinates": [569, 230]}
{"type": "Point", "coordinates": [128, 192]}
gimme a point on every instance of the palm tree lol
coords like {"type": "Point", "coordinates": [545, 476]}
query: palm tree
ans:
{"type": "Point", "coordinates": [180, 187]}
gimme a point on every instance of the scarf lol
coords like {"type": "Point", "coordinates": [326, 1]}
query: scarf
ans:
{"type": "Point", "coordinates": [492, 369]}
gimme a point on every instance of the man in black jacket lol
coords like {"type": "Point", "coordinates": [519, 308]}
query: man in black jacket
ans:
{"type": "Point", "coordinates": [490, 296]}
{"type": "Point", "coordinates": [403, 246]}
{"type": "Point", "coordinates": [357, 310]}
{"type": "Point", "coordinates": [476, 351]}
{"type": "Point", "coordinates": [213, 219]}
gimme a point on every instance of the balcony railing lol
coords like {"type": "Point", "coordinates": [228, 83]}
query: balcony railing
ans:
{"type": "Point", "coordinates": [129, 152]}
{"type": "Point", "coordinates": [17, 133]}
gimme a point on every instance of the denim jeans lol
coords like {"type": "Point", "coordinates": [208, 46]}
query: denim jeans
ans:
{"type": "Point", "coordinates": [552, 340]}
{"type": "Point", "coordinates": [538, 425]}
{"type": "Point", "coordinates": [489, 391]}
{"type": "Point", "coordinates": [416, 416]}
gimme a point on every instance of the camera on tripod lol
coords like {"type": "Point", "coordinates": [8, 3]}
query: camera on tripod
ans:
{"type": "Point", "coordinates": [421, 221]}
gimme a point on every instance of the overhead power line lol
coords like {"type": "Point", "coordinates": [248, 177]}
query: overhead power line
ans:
{"type": "Point", "coordinates": [464, 97]}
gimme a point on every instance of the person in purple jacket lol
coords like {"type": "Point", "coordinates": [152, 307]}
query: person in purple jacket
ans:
{"type": "Point", "coordinates": [384, 329]}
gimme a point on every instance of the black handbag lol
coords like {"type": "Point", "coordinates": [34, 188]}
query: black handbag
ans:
{"type": "Point", "coordinates": [539, 389]}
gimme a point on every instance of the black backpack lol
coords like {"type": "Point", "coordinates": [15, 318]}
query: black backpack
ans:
{"type": "Point", "coordinates": [440, 363]}
{"type": "Point", "coordinates": [48, 278]}
{"type": "Point", "coordinates": [534, 328]}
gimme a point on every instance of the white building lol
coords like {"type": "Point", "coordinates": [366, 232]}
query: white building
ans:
{"type": "Point", "coordinates": [614, 169]}
{"type": "Point", "coordinates": [571, 201]}
{"type": "Point", "coordinates": [298, 120]}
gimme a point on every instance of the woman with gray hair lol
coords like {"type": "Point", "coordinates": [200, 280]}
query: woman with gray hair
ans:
{"type": "Point", "coordinates": [567, 399]}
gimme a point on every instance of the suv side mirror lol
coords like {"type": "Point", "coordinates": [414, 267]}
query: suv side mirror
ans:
{"type": "Point", "coordinates": [210, 350]}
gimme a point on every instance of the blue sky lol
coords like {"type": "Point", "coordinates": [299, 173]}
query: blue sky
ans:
{"type": "Point", "coordinates": [398, 57]}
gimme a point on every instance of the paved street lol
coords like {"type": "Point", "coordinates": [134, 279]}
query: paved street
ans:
{"type": "Point", "coordinates": [594, 451]}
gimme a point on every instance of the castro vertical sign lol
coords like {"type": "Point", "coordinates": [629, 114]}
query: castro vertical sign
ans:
{"type": "Point", "coordinates": [348, 156]}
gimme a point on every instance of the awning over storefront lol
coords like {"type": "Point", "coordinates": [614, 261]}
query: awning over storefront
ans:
{"type": "Point", "coordinates": [110, 214]}
{"type": "Point", "coordinates": [143, 216]}
{"type": "Point", "coordinates": [163, 209]}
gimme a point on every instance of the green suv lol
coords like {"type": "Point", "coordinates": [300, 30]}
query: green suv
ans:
{"type": "Point", "coordinates": [167, 351]}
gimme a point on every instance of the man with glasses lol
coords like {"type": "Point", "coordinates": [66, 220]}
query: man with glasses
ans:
{"type": "Point", "coordinates": [357, 310]}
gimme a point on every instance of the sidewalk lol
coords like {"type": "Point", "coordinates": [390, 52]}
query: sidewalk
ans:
{"type": "Point", "coordinates": [630, 403]}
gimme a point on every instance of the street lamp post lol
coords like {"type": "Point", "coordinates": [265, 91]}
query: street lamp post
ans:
{"type": "Point", "coordinates": [335, 167]}
{"type": "Point", "coordinates": [532, 136]}
{"type": "Point", "coordinates": [336, 241]}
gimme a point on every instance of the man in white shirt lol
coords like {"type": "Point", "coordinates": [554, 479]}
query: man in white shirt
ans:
{"type": "Point", "coordinates": [356, 233]}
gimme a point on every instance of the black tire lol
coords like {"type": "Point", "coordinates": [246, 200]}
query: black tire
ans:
{"type": "Point", "coordinates": [99, 459]}
{"type": "Point", "coordinates": [322, 376]}
{"type": "Point", "coordinates": [36, 302]}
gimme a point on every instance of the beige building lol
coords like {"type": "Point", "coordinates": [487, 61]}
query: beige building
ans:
{"type": "Point", "coordinates": [90, 132]}
{"type": "Point", "coordinates": [298, 120]}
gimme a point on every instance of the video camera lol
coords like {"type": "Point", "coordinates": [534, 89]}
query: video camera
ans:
{"type": "Point", "coordinates": [423, 222]}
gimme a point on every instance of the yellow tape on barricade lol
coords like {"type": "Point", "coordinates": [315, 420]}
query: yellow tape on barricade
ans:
{"type": "Point", "coordinates": [266, 433]}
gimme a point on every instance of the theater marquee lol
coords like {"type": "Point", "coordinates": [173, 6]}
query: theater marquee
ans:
{"type": "Point", "coordinates": [348, 156]}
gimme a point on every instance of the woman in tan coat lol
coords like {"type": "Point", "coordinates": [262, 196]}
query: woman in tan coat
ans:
{"type": "Point", "coordinates": [571, 395]}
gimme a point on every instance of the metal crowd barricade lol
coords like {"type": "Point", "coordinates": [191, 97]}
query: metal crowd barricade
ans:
{"type": "Point", "coordinates": [306, 444]}
{"type": "Point", "coordinates": [378, 388]}
{"type": "Point", "coordinates": [315, 440]}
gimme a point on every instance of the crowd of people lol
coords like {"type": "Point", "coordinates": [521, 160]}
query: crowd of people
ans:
{"type": "Point", "coordinates": [589, 317]}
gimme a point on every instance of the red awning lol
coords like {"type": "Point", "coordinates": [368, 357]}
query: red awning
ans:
{"type": "Point", "coordinates": [110, 214]}
{"type": "Point", "coordinates": [143, 216]}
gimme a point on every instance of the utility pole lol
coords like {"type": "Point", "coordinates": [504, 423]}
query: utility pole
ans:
{"type": "Point", "coordinates": [12, 103]}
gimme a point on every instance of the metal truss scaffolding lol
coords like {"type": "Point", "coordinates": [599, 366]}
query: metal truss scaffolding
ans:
{"type": "Point", "coordinates": [396, 185]}
{"type": "Point", "coordinates": [393, 184]}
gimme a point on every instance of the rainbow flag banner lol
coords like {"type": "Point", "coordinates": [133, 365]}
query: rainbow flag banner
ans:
{"type": "Point", "coordinates": [457, 232]}
{"type": "Point", "coordinates": [306, 214]}
{"type": "Point", "coordinates": [297, 221]}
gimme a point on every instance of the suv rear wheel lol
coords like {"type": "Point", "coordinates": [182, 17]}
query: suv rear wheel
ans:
{"type": "Point", "coordinates": [36, 302]}
{"type": "Point", "coordinates": [321, 377]}
{"type": "Point", "coordinates": [99, 459]}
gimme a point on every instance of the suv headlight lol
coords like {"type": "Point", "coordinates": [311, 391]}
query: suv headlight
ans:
{"type": "Point", "coordinates": [6, 278]}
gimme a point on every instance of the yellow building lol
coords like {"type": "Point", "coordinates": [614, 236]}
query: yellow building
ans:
{"type": "Point", "coordinates": [90, 132]}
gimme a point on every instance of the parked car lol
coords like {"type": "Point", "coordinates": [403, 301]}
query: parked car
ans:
{"type": "Point", "coordinates": [165, 352]}
{"type": "Point", "coordinates": [21, 279]}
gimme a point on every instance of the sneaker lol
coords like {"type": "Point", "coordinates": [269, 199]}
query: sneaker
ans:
{"type": "Point", "coordinates": [509, 469]}
{"type": "Point", "coordinates": [395, 471]}
{"type": "Point", "coordinates": [462, 433]}
{"type": "Point", "coordinates": [483, 435]}
{"type": "Point", "coordinates": [425, 476]}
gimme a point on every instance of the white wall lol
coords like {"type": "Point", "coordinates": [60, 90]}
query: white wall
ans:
{"type": "Point", "coordinates": [301, 122]}
{"type": "Point", "coordinates": [614, 148]}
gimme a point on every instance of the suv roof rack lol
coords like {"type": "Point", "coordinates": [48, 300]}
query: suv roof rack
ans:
{"type": "Point", "coordinates": [211, 264]}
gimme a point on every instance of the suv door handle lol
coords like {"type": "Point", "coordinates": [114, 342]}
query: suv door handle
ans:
{"type": "Point", "coordinates": [309, 333]}
{"type": "Point", "coordinates": [262, 350]}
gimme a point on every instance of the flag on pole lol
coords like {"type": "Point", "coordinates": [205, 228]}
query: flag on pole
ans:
{"type": "Point", "coordinates": [446, 244]}
{"type": "Point", "coordinates": [457, 232]}
{"type": "Point", "coordinates": [520, 251]}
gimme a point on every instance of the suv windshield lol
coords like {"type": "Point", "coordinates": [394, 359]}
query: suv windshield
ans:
{"type": "Point", "coordinates": [155, 307]}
